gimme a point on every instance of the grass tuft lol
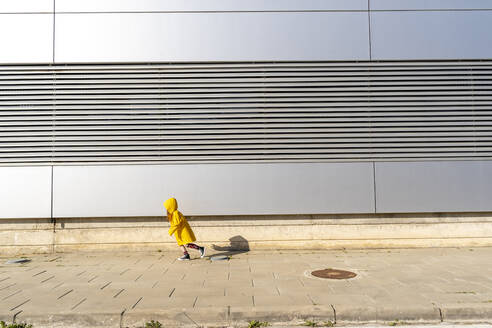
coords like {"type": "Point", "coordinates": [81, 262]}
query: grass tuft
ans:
{"type": "Point", "coordinates": [309, 323]}
{"type": "Point", "coordinates": [257, 324]}
{"type": "Point", "coordinates": [15, 325]}
{"type": "Point", "coordinates": [153, 324]}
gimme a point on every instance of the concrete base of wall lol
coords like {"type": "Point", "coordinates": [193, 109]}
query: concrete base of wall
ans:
{"type": "Point", "coordinates": [258, 232]}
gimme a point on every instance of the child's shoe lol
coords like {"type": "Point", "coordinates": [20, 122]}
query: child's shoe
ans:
{"type": "Point", "coordinates": [202, 251]}
{"type": "Point", "coordinates": [185, 257]}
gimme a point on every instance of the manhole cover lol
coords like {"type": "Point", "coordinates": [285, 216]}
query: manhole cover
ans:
{"type": "Point", "coordinates": [333, 274]}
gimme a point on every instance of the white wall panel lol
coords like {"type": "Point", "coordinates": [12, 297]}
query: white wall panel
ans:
{"type": "Point", "coordinates": [208, 5]}
{"type": "Point", "coordinates": [25, 192]}
{"type": "Point", "coordinates": [431, 35]}
{"type": "Point", "coordinates": [228, 189]}
{"type": "Point", "coordinates": [429, 4]}
{"type": "Point", "coordinates": [23, 6]}
{"type": "Point", "coordinates": [211, 37]}
{"type": "Point", "coordinates": [434, 186]}
{"type": "Point", "coordinates": [26, 38]}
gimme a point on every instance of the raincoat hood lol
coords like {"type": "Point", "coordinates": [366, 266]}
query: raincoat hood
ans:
{"type": "Point", "coordinates": [171, 205]}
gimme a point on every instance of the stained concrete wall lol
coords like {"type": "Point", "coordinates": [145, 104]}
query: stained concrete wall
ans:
{"type": "Point", "coordinates": [259, 232]}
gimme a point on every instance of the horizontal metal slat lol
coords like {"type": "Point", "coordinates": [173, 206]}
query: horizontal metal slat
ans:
{"type": "Point", "coordinates": [230, 112]}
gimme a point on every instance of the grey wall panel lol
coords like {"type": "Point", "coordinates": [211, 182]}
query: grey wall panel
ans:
{"type": "Point", "coordinates": [26, 38]}
{"type": "Point", "coordinates": [25, 192]}
{"type": "Point", "coordinates": [452, 186]}
{"type": "Point", "coordinates": [209, 5]}
{"type": "Point", "coordinates": [211, 36]}
{"type": "Point", "coordinates": [429, 4]}
{"type": "Point", "coordinates": [228, 189]}
{"type": "Point", "coordinates": [431, 35]}
{"type": "Point", "coordinates": [24, 6]}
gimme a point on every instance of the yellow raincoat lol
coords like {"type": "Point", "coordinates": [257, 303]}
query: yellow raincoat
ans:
{"type": "Point", "coordinates": [179, 226]}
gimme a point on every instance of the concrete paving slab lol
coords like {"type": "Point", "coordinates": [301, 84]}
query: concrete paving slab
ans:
{"type": "Point", "coordinates": [100, 289]}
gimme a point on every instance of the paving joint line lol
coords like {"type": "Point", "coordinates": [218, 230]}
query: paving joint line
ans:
{"type": "Point", "coordinates": [121, 317]}
{"type": "Point", "coordinates": [9, 296]}
{"type": "Point", "coordinates": [109, 283]}
{"type": "Point", "coordinates": [118, 293]}
{"type": "Point", "coordinates": [92, 279]}
{"type": "Point", "coordinates": [34, 267]}
{"type": "Point", "coordinates": [134, 305]}
{"type": "Point", "coordinates": [82, 301]}
{"type": "Point", "coordinates": [334, 314]}
{"type": "Point", "coordinates": [309, 296]}
{"type": "Point", "coordinates": [45, 280]}
{"type": "Point", "coordinates": [191, 319]}
{"type": "Point", "coordinates": [7, 287]}
{"type": "Point", "coordinates": [71, 290]}
{"type": "Point", "coordinates": [57, 286]}
{"type": "Point", "coordinates": [15, 316]}
{"type": "Point", "coordinates": [15, 307]}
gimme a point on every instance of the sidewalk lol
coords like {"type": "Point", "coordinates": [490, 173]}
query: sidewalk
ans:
{"type": "Point", "coordinates": [129, 289]}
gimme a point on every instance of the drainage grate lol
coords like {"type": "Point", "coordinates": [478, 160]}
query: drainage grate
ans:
{"type": "Point", "coordinates": [333, 274]}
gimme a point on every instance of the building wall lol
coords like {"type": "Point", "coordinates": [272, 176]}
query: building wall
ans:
{"type": "Point", "coordinates": [69, 31]}
{"type": "Point", "coordinates": [216, 30]}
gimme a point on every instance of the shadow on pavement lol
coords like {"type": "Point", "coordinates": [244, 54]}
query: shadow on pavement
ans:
{"type": "Point", "coordinates": [238, 245]}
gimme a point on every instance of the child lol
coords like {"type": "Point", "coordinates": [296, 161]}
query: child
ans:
{"type": "Point", "coordinates": [181, 229]}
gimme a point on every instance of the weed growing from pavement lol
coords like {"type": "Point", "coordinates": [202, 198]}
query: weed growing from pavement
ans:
{"type": "Point", "coordinates": [153, 324]}
{"type": "Point", "coordinates": [14, 325]}
{"type": "Point", "coordinates": [257, 324]}
{"type": "Point", "coordinates": [397, 323]}
{"type": "Point", "coordinates": [310, 323]}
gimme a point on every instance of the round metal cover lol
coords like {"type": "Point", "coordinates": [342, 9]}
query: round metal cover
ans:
{"type": "Point", "coordinates": [333, 274]}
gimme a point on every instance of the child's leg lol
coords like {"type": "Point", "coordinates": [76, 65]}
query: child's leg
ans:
{"type": "Point", "coordinates": [198, 248]}
{"type": "Point", "coordinates": [185, 256]}
{"type": "Point", "coordinates": [194, 246]}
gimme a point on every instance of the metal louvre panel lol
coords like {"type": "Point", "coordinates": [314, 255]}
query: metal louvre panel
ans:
{"type": "Point", "coordinates": [245, 112]}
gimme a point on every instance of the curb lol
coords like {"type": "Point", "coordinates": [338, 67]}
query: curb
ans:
{"type": "Point", "coordinates": [285, 315]}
